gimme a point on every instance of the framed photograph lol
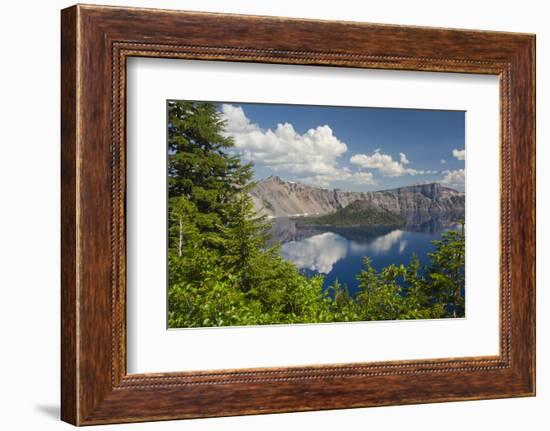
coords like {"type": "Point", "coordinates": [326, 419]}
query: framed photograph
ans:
{"type": "Point", "coordinates": [264, 214]}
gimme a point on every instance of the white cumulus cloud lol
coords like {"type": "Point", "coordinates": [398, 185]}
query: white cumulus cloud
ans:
{"type": "Point", "coordinates": [459, 154]}
{"type": "Point", "coordinates": [344, 174]}
{"type": "Point", "coordinates": [454, 178]}
{"type": "Point", "coordinates": [385, 164]}
{"type": "Point", "coordinates": [313, 153]}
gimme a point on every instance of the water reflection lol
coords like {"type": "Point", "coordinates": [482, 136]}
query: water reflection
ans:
{"type": "Point", "coordinates": [383, 244]}
{"type": "Point", "coordinates": [317, 253]}
{"type": "Point", "coordinates": [321, 252]}
{"type": "Point", "coordinates": [338, 253]}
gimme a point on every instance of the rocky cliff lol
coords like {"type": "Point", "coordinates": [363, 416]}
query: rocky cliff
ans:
{"type": "Point", "coordinates": [415, 204]}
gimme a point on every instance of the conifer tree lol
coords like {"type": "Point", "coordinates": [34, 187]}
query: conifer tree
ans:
{"type": "Point", "coordinates": [446, 271]}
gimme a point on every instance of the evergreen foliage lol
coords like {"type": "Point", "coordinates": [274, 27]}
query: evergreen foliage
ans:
{"type": "Point", "coordinates": [221, 271]}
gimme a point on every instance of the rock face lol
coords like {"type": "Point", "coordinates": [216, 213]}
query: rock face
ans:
{"type": "Point", "coordinates": [415, 204]}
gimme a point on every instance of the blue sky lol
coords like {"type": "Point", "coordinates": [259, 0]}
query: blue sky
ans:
{"type": "Point", "coordinates": [349, 148]}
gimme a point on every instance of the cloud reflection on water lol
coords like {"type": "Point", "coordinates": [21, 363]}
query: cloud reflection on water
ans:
{"type": "Point", "coordinates": [321, 252]}
{"type": "Point", "coordinates": [317, 253]}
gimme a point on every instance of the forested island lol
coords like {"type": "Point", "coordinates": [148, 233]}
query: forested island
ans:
{"type": "Point", "coordinates": [357, 213]}
{"type": "Point", "coordinates": [222, 272]}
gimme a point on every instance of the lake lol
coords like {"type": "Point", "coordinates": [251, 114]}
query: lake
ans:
{"type": "Point", "coordinates": [337, 253]}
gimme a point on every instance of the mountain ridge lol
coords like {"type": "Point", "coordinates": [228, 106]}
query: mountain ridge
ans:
{"type": "Point", "coordinates": [275, 197]}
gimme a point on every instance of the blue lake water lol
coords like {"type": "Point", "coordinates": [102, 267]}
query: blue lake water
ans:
{"type": "Point", "coordinates": [338, 253]}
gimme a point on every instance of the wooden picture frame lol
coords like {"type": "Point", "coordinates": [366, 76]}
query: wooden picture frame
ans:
{"type": "Point", "coordinates": [95, 43]}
